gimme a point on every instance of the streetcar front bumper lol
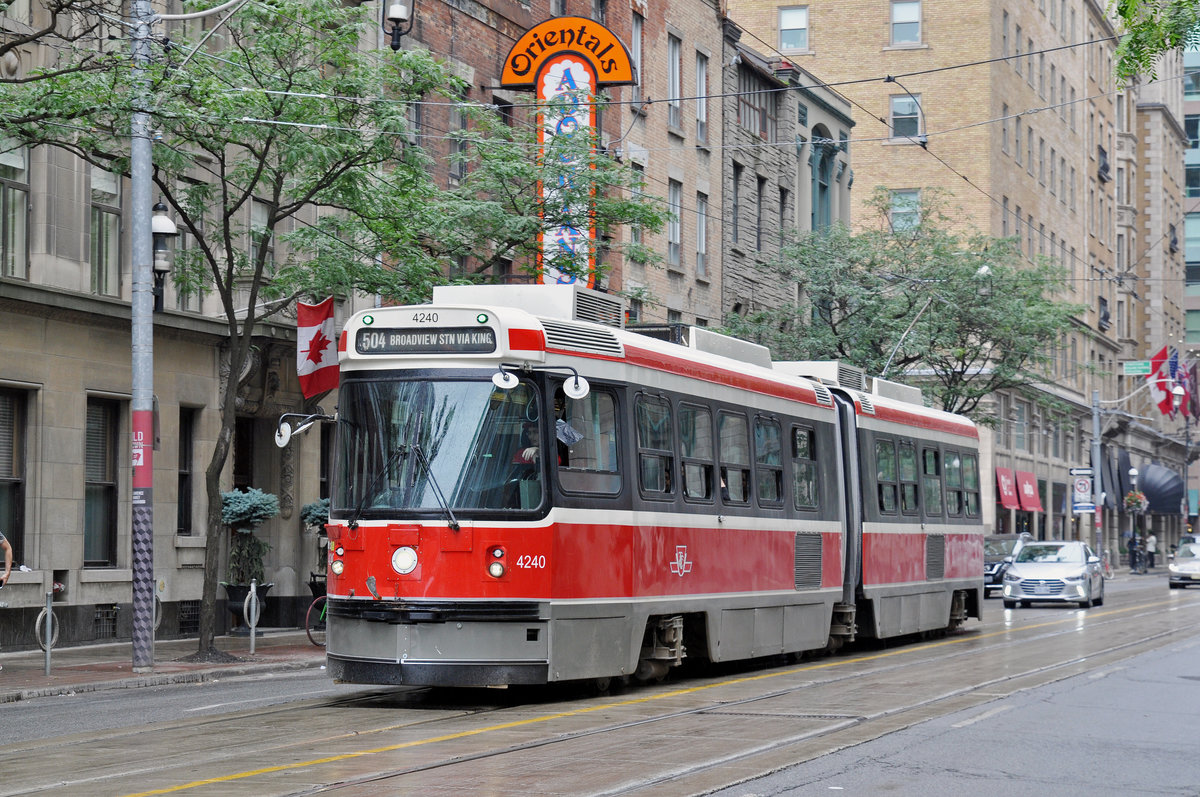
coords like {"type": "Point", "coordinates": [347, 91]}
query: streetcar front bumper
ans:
{"type": "Point", "coordinates": [437, 644]}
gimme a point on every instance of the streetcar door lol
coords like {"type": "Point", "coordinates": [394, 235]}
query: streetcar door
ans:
{"type": "Point", "coordinates": [851, 485]}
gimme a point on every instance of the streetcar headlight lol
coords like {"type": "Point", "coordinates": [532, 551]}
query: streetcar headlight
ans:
{"type": "Point", "coordinates": [337, 566]}
{"type": "Point", "coordinates": [404, 560]}
{"type": "Point", "coordinates": [496, 569]}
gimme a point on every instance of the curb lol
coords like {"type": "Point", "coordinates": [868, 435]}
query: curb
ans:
{"type": "Point", "coordinates": [135, 682]}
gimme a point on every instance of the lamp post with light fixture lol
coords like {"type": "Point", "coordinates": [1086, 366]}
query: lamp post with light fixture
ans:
{"type": "Point", "coordinates": [399, 16]}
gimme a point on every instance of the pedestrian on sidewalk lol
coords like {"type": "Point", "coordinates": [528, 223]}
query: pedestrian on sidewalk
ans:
{"type": "Point", "coordinates": [1151, 549]}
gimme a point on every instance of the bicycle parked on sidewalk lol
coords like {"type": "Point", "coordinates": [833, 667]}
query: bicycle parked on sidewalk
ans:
{"type": "Point", "coordinates": [1106, 563]}
{"type": "Point", "coordinates": [314, 621]}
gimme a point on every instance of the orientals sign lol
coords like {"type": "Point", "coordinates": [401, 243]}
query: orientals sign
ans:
{"type": "Point", "coordinates": [566, 60]}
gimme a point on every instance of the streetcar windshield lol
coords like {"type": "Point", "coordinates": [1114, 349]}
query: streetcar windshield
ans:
{"type": "Point", "coordinates": [428, 445]}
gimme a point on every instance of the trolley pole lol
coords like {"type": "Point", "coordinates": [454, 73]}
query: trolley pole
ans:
{"type": "Point", "coordinates": [142, 329]}
{"type": "Point", "coordinates": [1097, 471]}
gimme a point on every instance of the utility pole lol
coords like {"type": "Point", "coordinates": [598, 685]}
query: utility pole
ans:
{"type": "Point", "coordinates": [1097, 471]}
{"type": "Point", "coordinates": [142, 315]}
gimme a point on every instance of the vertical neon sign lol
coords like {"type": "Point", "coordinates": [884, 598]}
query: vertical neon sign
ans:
{"type": "Point", "coordinates": [566, 88]}
{"type": "Point", "coordinates": [566, 60]}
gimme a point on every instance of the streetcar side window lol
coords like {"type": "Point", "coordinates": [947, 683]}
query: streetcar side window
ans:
{"type": "Point", "coordinates": [696, 446]}
{"type": "Point", "coordinates": [768, 460]}
{"type": "Point", "coordinates": [655, 445]}
{"type": "Point", "coordinates": [734, 442]}
{"type": "Point", "coordinates": [804, 468]}
{"type": "Point", "coordinates": [970, 467]}
{"type": "Point", "coordinates": [954, 483]}
{"type": "Point", "coordinates": [885, 475]}
{"type": "Point", "coordinates": [908, 479]}
{"type": "Point", "coordinates": [586, 436]}
{"type": "Point", "coordinates": [931, 481]}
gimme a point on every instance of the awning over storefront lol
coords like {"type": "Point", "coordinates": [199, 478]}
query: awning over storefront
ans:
{"type": "Point", "coordinates": [1007, 488]}
{"type": "Point", "coordinates": [1027, 491]}
{"type": "Point", "coordinates": [1163, 487]}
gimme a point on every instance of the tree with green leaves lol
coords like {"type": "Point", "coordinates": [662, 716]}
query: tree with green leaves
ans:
{"type": "Point", "coordinates": [1150, 28]}
{"type": "Point", "coordinates": [960, 315]}
{"type": "Point", "coordinates": [282, 112]}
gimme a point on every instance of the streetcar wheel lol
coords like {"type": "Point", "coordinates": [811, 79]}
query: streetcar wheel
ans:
{"type": "Point", "coordinates": [314, 622]}
{"type": "Point", "coordinates": [602, 685]}
{"type": "Point", "coordinates": [1010, 604]}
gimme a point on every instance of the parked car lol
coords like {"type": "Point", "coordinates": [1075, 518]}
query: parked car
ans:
{"type": "Point", "coordinates": [1184, 569]}
{"type": "Point", "coordinates": [997, 548]}
{"type": "Point", "coordinates": [1058, 570]}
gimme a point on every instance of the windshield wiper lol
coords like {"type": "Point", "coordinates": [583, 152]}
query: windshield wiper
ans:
{"type": "Point", "coordinates": [433, 482]}
{"type": "Point", "coordinates": [392, 459]}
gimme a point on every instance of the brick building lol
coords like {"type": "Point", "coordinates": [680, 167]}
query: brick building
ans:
{"type": "Point", "coordinates": [1010, 107]}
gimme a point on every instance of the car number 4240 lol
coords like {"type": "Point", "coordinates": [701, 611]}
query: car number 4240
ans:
{"type": "Point", "coordinates": [529, 561]}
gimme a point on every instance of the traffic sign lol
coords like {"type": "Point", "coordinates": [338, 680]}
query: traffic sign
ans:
{"type": "Point", "coordinates": [1080, 471]}
{"type": "Point", "coordinates": [1136, 368]}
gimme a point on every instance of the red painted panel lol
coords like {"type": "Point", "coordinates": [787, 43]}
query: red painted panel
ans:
{"type": "Point", "coordinates": [577, 562]}
{"type": "Point", "coordinates": [1007, 488]}
{"type": "Point", "coordinates": [893, 558]}
{"type": "Point", "coordinates": [710, 373]}
{"type": "Point", "coordinates": [935, 423]}
{"type": "Point", "coordinates": [527, 339]}
{"type": "Point", "coordinates": [964, 555]}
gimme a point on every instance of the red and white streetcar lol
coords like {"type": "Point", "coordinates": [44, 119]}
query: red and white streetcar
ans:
{"type": "Point", "coordinates": [522, 495]}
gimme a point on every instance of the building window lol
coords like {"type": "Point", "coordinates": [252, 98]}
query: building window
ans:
{"type": "Point", "coordinates": [675, 222]}
{"type": "Point", "coordinates": [1017, 140]}
{"type": "Point", "coordinates": [701, 98]}
{"type": "Point", "coordinates": [906, 22]}
{"type": "Point", "coordinates": [1192, 179]}
{"type": "Point", "coordinates": [458, 144]}
{"type": "Point", "coordinates": [187, 256]}
{"type": "Point", "coordinates": [1020, 421]}
{"type": "Point", "coordinates": [822, 198]}
{"type": "Point", "coordinates": [635, 54]}
{"type": "Point", "coordinates": [261, 237]}
{"type": "Point", "coordinates": [1191, 127]}
{"type": "Point", "coordinates": [12, 471]}
{"type": "Point", "coordinates": [701, 236]}
{"type": "Point", "coordinates": [100, 488]}
{"type": "Point", "coordinates": [1004, 127]}
{"type": "Point", "coordinates": [759, 199]}
{"type": "Point", "coordinates": [736, 202]}
{"type": "Point", "coordinates": [674, 82]}
{"type": "Point", "coordinates": [599, 10]}
{"type": "Point", "coordinates": [905, 211]}
{"type": "Point", "coordinates": [106, 233]}
{"type": "Point", "coordinates": [558, 8]}
{"type": "Point", "coordinates": [1191, 83]}
{"type": "Point", "coordinates": [185, 477]}
{"type": "Point", "coordinates": [1018, 60]}
{"type": "Point", "coordinates": [783, 215]}
{"type": "Point", "coordinates": [793, 28]}
{"type": "Point", "coordinates": [14, 204]}
{"type": "Point", "coordinates": [906, 116]}
{"type": "Point", "coordinates": [756, 105]}
{"type": "Point", "coordinates": [17, 10]}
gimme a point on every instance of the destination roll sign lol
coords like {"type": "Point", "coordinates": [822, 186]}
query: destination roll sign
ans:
{"type": "Point", "coordinates": [444, 340]}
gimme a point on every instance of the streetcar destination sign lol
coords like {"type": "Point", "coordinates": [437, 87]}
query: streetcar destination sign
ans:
{"type": "Point", "coordinates": [447, 340]}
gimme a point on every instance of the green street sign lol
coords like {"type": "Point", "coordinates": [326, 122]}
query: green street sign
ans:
{"type": "Point", "coordinates": [1136, 368]}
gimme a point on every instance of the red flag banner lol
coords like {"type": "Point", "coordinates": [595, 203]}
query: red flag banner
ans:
{"type": "Point", "coordinates": [1160, 381]}
{"type": "Point", "coordinates": [316, 348]}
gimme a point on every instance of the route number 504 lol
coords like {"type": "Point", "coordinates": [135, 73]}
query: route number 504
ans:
{"type": "Point", "coordinates": [536, 562]}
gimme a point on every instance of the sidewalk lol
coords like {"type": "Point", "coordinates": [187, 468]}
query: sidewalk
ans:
{"type": "Point", "coordinates": [90, 668]}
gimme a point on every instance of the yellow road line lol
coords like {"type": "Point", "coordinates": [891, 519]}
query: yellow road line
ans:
{"type": "Point", "coordinates": [630, 702]}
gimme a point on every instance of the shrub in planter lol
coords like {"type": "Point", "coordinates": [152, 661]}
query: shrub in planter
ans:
{"type": "Point", "coordinates": [244, 511]}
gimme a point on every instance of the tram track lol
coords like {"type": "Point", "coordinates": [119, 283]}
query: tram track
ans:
{"type": "Point", "coordinates": [438, 731]}
{"type": "Point", "coordinates": [841, 723]}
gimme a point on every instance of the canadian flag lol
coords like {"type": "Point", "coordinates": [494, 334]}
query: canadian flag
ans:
{"type": "Point", "coordinates": [1160, 380]}
{"type": "Point", "coordinates": [316, 349]}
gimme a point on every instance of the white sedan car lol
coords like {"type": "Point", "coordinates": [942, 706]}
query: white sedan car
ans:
{"type": "Point", "coordinates": [1061, 571]}
{"type": "Point", "coordinates": [1184, 569]}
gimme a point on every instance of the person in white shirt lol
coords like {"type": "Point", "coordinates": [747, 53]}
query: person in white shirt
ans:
{"type": "Point", "coordinates": [1151, 549]}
